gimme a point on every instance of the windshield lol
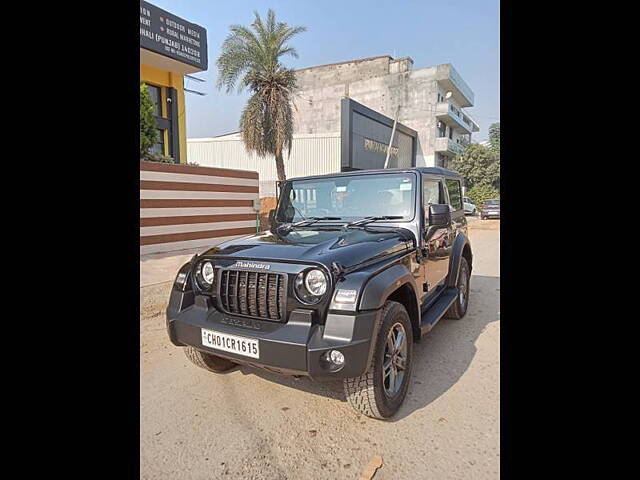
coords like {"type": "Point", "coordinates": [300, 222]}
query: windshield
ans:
{"type": "Point", "coordinates": [492, 202]}
{"type": "Point", "coordinates": [349, 197]}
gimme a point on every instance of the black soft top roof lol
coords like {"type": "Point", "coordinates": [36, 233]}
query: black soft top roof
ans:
{"type": "Point", "coordinates": [425, 170]}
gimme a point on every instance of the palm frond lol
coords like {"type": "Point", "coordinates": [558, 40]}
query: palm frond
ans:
{"type": "Point", "coordinates": [250, 59]}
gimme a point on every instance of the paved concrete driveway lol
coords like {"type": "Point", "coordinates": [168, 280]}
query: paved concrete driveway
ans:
{"type": "Point", "coordinates": [253, 424]}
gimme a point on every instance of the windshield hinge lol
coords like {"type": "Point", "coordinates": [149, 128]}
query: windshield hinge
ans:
{"type": "Point", "coordinates": [337, 270]}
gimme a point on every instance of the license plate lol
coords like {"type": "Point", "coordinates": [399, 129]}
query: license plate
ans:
{"type": "Point", "coordinates": [231, 343]}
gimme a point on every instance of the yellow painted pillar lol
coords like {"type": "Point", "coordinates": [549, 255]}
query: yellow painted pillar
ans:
{"type": "Point", "coordinates": [177, 82]}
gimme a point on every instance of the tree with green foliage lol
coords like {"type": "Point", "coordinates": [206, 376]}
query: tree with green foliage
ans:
{"type": "Point", "coordinates": [148, 128]}
{"type": "Point", "coordinates": [479, 165]}
{"type": "Point", "coordinates": [481, 193]}
{"type": "Point", "coordinates": [494, 137]}
{"type": "Point", "coordinates": [250, 59]}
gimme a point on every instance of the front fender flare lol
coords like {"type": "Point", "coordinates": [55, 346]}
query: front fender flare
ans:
{"type": "Point", "coordinates": [378, 288]}
{"type": "Point", "coordinates": [460, 242]}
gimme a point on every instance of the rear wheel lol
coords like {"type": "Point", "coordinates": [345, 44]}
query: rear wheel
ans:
{"type": "Point", "coordinates": [208, 361]}
{"type": "Point", "coordinates": [379, 392]}
{"type": "Point", "coordinates": [458, 308]}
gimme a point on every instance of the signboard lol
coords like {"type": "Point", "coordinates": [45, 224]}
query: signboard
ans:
{"type": "Point", "coordinates": [164, 33]}
{"type": "Point", "coordinates": [365, 136]}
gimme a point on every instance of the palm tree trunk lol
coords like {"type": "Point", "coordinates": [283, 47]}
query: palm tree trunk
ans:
{"type": "Point", "coordinates": [280, 166]}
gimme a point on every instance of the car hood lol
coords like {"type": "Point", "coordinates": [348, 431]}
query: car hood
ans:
{"type": "Point", "coordinates": [348, 247]}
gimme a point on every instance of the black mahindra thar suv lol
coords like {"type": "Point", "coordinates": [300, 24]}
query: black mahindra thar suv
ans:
{"type": "Point", "coordinates": [354, 269]}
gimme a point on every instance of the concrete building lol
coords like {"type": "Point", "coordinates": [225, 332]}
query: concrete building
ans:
{"type": "Point", "coordinates": [344, 118]}
{"type": "Point", "coordinates": [431, 101]}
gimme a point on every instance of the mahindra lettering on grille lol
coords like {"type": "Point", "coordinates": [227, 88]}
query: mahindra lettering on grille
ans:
{"type": "Point", "coordinates": [254, 294]}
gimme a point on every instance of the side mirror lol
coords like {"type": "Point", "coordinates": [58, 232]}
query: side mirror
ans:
{"type": "Point", "coordinates": [272, 218]}
{"type": "Point", "coordinates": [439, 215]}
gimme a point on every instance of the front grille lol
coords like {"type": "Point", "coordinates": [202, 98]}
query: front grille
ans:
{"type": "Point", "coordinates": [254, 294]}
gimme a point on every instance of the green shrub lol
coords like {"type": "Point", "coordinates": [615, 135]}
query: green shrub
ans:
{"type": "Point", "coordinates": [148, 131]}
{"type": "Point", "coordinates": [154, 157]}
{"type": "Point", "coordinates": [480, 193]}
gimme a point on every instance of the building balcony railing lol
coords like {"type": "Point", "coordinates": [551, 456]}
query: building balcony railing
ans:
{"type": "Point", "coordinates": [448, 147]}
{"type": "Point", "coordinates": [451, 80]}
{"type": "Point", "coordinates": [452, 115]}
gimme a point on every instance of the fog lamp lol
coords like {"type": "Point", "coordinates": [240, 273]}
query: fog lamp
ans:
{"type": "Point", "coordinates": [335, 357]}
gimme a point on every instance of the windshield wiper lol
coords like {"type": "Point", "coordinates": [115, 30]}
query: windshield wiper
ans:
{"type": "Point", "coordinates": [366, 220]}
{"type": "Point", "coordinates": [306, 221]}
{"type": "Point", "coordinates": [310, 220]}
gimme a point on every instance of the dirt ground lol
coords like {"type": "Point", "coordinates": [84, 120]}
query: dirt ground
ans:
{"type": "Point", "coordinates": [252, 424]}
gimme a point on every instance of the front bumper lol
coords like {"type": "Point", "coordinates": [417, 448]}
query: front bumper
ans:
{"type": "Point", "coordinates": [294, 348]}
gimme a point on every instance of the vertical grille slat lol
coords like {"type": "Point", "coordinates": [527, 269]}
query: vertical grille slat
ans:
{"type": "Point", "coordinates": [262, 295]}
{"type": "Point", "coordinates": [247, 293]}
{"type": "Point", "coordinates": [272, 286]}
{"type": "Point", "coordinates": [255, 294]}
{"type": "Point", "coordinates": [278, 281]}
{"type": "Point", "coordinates": [242, 294]}
{"type": "Point", "coordinates": [224, 289]}
{"type": "Point", "coordinates": [233, 287]}
{"type": "Point", "coordinates": [282, 295]}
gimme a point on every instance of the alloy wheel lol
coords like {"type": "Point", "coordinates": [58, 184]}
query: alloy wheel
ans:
{"type": "Point", "coordinates": [463, 288]}
{"type": "Point", "coordinates": [395, 360]}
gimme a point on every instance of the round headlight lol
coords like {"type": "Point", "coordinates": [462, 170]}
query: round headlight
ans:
{"type": "Point", "coordinates": [316, 282]}
{"type": "Point", "coordinates": [204, 275]}
{"type": "Point", "coordinates": [310, 286]}
{"type": "Point", "coordinates": [207, 272]}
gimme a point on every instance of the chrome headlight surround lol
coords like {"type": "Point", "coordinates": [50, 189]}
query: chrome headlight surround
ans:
{"type": "Point", "coordinates": [311, 286]}
{"type": "Point", "coordinates": [205, 275]}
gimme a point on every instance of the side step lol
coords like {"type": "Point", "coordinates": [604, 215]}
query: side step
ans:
{"type": "Point", "coordinates": [434, 313]}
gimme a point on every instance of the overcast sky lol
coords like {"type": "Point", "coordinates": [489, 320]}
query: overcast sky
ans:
{"type": "Point", "coordinates": [463, 33]}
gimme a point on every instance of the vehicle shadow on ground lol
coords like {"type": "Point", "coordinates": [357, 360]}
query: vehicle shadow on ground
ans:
{"type": "Point", "coordinates": [440, 359]}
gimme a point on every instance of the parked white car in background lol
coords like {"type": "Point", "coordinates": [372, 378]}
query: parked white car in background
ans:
{"type": "Point", "coordinates": [469, 208]}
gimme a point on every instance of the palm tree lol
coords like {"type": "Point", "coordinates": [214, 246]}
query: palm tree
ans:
{"type": "Point", "coordinates": [250, 58]}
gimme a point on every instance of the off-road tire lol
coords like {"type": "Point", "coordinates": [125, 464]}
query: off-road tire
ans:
{"type": "Point", "coordinates": [208, 361]}
{"type": "Point", "coordinates": [457, 310]}
{"type": "Point", "coordinates": [366, 393]}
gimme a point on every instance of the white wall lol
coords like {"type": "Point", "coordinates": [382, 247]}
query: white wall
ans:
{"type": "Point", "coordinates": [311, 154]}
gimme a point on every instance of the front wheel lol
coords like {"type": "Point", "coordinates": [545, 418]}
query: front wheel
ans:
{"type": "Point", "coordinates": [210, 362]}
{"type": "Point", "coordinates": [379, 392]}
